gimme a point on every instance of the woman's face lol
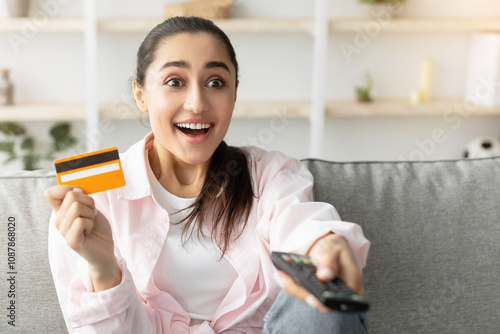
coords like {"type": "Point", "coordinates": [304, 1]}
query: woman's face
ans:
{"type": "Point", "coordinates": [189, 93]}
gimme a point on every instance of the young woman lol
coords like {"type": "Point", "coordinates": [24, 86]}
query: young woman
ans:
{"type": "Point", "coordinates": [185, 246]}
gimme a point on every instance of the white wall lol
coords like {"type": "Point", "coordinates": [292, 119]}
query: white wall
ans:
{"type": "Point", "coordinates": [50, 67]}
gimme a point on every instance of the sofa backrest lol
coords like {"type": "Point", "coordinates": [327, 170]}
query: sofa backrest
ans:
{"type": "Point", "coordinates": [25, 277]}
{"type": "Point", "coordinates": [434, 262]}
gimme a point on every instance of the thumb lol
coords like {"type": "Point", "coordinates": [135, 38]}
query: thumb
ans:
{"type": "Point", "coordinates": [55, 195]}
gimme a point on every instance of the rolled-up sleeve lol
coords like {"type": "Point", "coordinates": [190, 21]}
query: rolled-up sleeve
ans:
{"type": "Point", "coordinates": [116, 310]}
{"type": "Point", "coordinates": [289, 215]}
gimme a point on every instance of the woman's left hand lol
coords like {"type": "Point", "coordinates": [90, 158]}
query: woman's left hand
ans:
{"type": "Point", "coordinates": [333, 258]}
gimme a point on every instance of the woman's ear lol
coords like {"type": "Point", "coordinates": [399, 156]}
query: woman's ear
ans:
{"type": "Point", "coordinates": [139, 97]}
{"type": "Point", "coordinates": [236, 90]}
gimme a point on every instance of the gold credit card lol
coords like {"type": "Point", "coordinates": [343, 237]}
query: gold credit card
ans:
{"type": "Point", "coordinates": [92, 172]}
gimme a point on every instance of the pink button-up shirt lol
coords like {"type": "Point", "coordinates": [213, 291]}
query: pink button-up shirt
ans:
{"type": "Point", "coordinates": [283, 218]}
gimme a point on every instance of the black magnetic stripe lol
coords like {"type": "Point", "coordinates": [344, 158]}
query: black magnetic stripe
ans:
{"type": "Point", "coordinates": [86, 161]}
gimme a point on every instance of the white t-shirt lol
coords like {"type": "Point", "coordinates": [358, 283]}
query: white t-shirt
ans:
{"type": "Point", "coordinates": [193, 272]}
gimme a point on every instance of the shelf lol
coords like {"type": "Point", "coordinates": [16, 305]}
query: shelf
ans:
{"type": "Point", "coordinates": [144, 25]}
{"type": "Point", "coordinates": [266, 109]}
{"type": "Point", "coordinates": [255, 110]}
{"type": "Point", "coordinates": [243, 109]}
{"type": "Point", "coordinates": [403, 108]}
{"type": "Point", "coordinates": [239, 25]}
{"type": "Point", "coordinates": [128, 111]}
{"type": "Point", "coordinates": [128, 25]}
{"type": "Point", "coordinates": [42, 112]}
{"type": "Point", "coordinates": [55, 24]}
{"type": "Point", "coordinates": [410, 25]}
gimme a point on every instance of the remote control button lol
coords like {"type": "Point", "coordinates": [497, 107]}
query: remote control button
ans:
{"type": "Point", "coordinates": [329, 294]}
{"type": "Point", "coordinates": [343, 295]}
{"type": "Point", "coordinates": [343, 307]}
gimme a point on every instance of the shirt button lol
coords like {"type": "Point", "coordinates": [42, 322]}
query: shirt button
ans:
{"type": "Point", "coordinates": [151, 255]}
{"type": "Point", "coordinates": [164, 220]}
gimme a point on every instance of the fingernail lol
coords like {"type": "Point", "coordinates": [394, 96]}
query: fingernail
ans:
{"type": "Point", "coordinates": [78, 190]}
{"type": "Point", "coordinates": [311, 301]}
{"type": "Point", "coordinates": [278, 280]}
{"type": "Point", "coordinates": [95, 212]}
{"type": "Point", "coordinates": [326, 273]}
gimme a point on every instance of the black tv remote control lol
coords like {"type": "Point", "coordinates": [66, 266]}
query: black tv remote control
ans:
{"type": "Point", "coordinates": [335, 294]}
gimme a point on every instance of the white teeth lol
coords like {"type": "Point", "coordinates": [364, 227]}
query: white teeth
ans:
{"type": "Point", "coordinates": [193, 126]}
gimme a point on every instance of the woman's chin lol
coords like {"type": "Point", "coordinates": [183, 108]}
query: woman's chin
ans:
{"type": "Point", "coordinates": [196, 158]}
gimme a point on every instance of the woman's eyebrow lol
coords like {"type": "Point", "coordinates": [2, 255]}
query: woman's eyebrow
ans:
{"type": "Point", "coordinates": [215, 64]}
{"type": "Point", "coordinates": [184, 64]}
{"type": "Point", "coordinates": [180, 64]}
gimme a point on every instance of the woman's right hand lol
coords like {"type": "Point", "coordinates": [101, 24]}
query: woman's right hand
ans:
{"type": "Point", "coordinates": [87, 231]}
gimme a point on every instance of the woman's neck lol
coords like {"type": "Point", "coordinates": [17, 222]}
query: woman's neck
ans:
{"type": "Point", "coordinates": [176, 176]}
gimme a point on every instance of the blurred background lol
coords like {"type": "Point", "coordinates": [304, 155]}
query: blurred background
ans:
{"type": "Point", "coordinates": [411, 80]}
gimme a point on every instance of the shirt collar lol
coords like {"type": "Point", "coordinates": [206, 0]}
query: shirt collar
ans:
{"type": "Point", "coordinates": [135, 166]}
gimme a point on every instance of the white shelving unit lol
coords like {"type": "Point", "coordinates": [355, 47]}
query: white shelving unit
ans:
{"type": "Point", "coordinates": [91, 110]}
{"type": "Point", "coordinates": [91, 26]}
{"type": "Point", "coordinates": [320, 27]}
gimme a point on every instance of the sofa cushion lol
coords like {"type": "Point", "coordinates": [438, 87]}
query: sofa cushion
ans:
{"type": "Point", "coordinates": [434, 226]}
{"type": "Point", "coordinates": [23, 205]}
{"type": "Point", "coordinates": [432, 267]}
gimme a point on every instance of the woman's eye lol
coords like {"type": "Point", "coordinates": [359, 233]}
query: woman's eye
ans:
{"type": "Point", "coordinates": [216, 83]}
{"type": "Point", "coordinates": [174, 83]}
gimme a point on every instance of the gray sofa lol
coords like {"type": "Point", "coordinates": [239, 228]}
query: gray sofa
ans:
{"type": "Point", "coordinates": [434, 227]}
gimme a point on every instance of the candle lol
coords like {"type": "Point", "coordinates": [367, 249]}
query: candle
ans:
{"type": "Point", "coordinates": [415, 97]}
{"type": "Point", "coordinates": [425, 86]}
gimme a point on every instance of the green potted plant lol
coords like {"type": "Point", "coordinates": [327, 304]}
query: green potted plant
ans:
{"type": "Point", "coordinates": [19, 145]}
{"type": "Point", "coordinates": [363, 88]}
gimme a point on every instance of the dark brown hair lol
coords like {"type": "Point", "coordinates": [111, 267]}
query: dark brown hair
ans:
{"type": "Point", "coordinates": [226, 196]}
{"type": "Point", "coordinates": [174, 26]}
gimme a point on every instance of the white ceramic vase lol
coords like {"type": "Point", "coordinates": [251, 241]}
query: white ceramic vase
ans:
{"type": "Point", "coordinates": [18, 8]}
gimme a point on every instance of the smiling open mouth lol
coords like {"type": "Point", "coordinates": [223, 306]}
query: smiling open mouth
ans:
{"type": "Point", "coordinates": [194, 129]}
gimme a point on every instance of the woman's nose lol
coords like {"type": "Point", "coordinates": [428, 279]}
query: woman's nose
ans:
{"type": "Point", "coordinates": [196, 101]}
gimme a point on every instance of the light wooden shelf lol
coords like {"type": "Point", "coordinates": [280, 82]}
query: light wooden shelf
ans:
{"type": "Point", "coordinates": [55, 24]}
{"type": "Point", "coordinates": [415, 25]}
{"type": "Point", "coordinates": [256, 110]}
{"type": "Point", "coordinates": [128, 111]}
{"type": "Point", "coordinates": [243, 109]}
{"type": "Point", "coordinates": [266, 109]}
{"type": "Point", "coordinates": [403, 108]}
{"type": "Point", "coordinates": [144, 25]}
{"type": "Point", "coordinates": [256, 25]}
{"type": "Point", "coordinates": [42, 112]}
